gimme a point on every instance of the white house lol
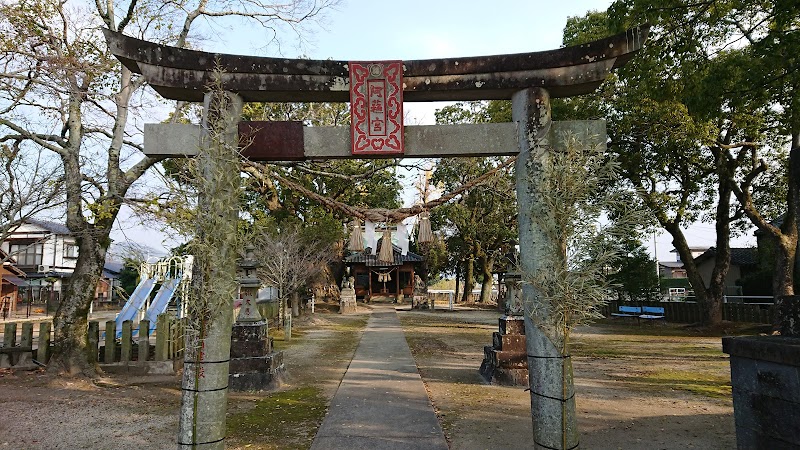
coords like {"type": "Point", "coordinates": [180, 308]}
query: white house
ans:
{"type": "Point", "coordinates": [47, 253]}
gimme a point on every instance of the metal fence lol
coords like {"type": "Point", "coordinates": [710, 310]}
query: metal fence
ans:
{"type": "Point", "coordinates": [691, 312]}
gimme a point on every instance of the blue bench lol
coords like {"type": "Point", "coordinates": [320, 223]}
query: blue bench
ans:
{"type": "Point", "coordinates": [651, 312]}
{"type": "Point", "coordinates": [628, 311]}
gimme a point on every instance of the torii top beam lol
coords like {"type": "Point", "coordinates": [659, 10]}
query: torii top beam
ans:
{"type": "Point", "coordinates": [181, 74]}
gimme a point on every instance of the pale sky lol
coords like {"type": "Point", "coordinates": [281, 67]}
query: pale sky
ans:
{"type": "Point", "coordinates": [417, 29]}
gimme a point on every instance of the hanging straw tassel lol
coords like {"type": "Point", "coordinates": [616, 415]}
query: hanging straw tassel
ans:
{"type": "Point", "coordinates": [387, 253]}
{"type": "Point", "coordinates": [356, 240]}
{"type": "Point", "coordinates": [425, 233]}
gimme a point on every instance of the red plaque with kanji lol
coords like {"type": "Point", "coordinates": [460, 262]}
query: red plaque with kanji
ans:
{"type": "Point", "coordinates": [376, 107]}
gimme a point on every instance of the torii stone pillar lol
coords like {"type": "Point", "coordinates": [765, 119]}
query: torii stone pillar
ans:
{"type": "Point", "coordinates": [207, 355]}
{"type": "Point", "coordinates": [552, 400]}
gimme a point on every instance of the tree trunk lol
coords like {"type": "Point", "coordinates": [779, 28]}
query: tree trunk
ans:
{"type": "Point", "coordinates": [703, 295]}
{"type": "Point", "coordinates": [488, 280]}
{"type": "Point", "coordinates": [722, 260]}
{"type": "Point", "coordinates": [785, 254]}
{"type": "Point", "coordinates": [458, 282]}
{"type": "Point", "coordinates": [469, 277]}
{"type": "Point", "coordinates": [787, 262]}
{"type": "Point", "coordinates": [71, 353]}
{"type": "Point", "coordinates": [295, 304]}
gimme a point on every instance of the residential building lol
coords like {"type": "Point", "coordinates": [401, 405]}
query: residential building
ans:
{"type": "Point", "coordinates": [47, 252]}
{"type": "Point", "coordinates": [11, 279]}
{"type": "Point", "coordinates": [675, 269]}
{"type": "Point", "coordinates": [744, 261]}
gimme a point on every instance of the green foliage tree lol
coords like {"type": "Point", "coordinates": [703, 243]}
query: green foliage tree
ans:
{"type": "Point", "coordinates": [691, 136]}
{"type": "Point", "coordinates": [480, 226]}
{"type": "Point", "coordinates": [634, 277]}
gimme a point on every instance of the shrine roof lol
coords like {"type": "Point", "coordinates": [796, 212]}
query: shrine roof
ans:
{"type": "Point", "coordinates": [182, 74]}
{"type": "Point", "coordinates": [371, 260]}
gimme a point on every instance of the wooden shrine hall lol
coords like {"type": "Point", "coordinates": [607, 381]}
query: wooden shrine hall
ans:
{"type": "Point", "coordinates": [376, 278]}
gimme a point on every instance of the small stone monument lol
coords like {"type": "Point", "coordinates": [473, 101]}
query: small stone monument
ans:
{"type": "Point", "coordinates": [420, 299]}
{"type": "Point", "coordinates": [347, 297]}
{"type": "Point", "coordinates": [254, 366]}
{"type": "Point", "coordinates": [505, 361]}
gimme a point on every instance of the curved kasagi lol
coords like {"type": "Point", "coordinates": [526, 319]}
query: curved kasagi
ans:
{"type": "Point", "coordinates": [182, 74]}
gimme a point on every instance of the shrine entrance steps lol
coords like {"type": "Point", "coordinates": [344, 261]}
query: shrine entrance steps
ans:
{"type": "Point", "coordinates": [382, 298]}
{"type": "Point", "coordinates": [381, 402]}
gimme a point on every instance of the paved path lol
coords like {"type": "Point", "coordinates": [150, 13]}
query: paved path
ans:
{"type": "Point", "coordinates": [381, 402]}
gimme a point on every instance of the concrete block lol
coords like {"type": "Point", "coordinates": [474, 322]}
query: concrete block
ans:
{"type": "Point", "coordinates": [126, 341]}
{"type": "Point", "coordinates": [509, 342]}
{"type": "Point", "coordinates": [111, 343]}
{"type": "Point", "coordinates": [26, 340]}
{"type": "Point", "coordinates": [94, 339]}
{"type": "Point", "coordinates": [251, 349]}
{"type": "Point", "coordinates": [143, 341]}
{"type": "Point", "coordinates": [778, 380]}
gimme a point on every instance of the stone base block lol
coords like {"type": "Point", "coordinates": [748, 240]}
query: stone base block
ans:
{"type": "Point", "coordinates": [420, 302]}
{"type": "Point", "coordinates": [256, 374]}
{"type": "Point", "coordinates": [509, 377]}
{"type": "Point", "coordinates": [348, 307]}
{"type": "Point", "coordinates": [254, 381]}
{"type": "Point", "coordinates": [142, 367]}
{"type": "Point", "coordinates": [265, 363]}
{"type": "Point", "coordinates": [505, 362]}
{"type": "Point", "coordinates": [765, 380]}
{"type": "Point", "coordinates": [508, 360]}
{"type": "Point", "coordinates": [509, 342]}
{"type": "Point", "coordinates": [501, 372]}
{"type": "Point", "coordinates": [512, 325]}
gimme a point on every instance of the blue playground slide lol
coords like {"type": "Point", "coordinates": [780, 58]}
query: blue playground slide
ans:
{"type": "Point", "coordinates": [159, 304]}
{"type": "Point", "coordinates": [135, 303]}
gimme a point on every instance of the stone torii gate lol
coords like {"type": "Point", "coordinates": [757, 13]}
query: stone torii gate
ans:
{"type": "Point", "coordinates": [528, 79]}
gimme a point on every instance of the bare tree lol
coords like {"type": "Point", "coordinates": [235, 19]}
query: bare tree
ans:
{"type": "Point", "coordinates": [29, 186]}
{"type": "Point", "coordinates": [289, 262]}
{"type": "Point", "coordinates": [62, 91]}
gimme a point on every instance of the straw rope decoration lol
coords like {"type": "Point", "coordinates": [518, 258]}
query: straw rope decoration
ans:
{"type": "Point", "coordinates": [263, 173]}
{"type": "Point", "coordinates": [425, 234]}
{"type": "Point", "coordinates": [356, 239]}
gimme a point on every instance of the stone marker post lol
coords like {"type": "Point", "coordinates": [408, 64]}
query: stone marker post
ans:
{"type": "Point", "coordinates": [552, 406]}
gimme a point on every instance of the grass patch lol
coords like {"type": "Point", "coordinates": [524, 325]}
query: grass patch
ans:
{"type": "Point", "coordinates": [351, 324]}
{"type": "Point", "coordinates": [283, 420]}
{"type": "Point", "coordinates": [623, 326]}
{"type": "Point", "coordinates": [428, 346]}
{"type": "Point", "coordinates": [704, 384]}
{"type": "Point", "coordinates": [598, 350]}
{"type": "Point", "coordinates": [635, 348]}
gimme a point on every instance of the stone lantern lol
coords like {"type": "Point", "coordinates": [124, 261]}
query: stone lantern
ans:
{"type": "Point", "coordinates": [505, 362]}
{"type": "Point", "coordinates": [514, 307]}
{"type": "Point", "coordinates": [254, 365]}
{"type": "Point", "coordinates": [249, 285]}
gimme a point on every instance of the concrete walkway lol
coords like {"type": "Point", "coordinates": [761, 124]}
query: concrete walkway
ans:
{"type": "Point", "coordinates": [381, 402]}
